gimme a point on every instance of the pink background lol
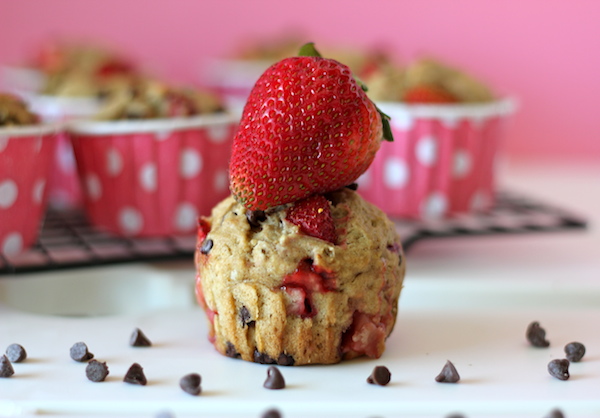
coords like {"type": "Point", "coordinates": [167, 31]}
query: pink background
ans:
{"type": "Point", "coordinates": [547, 52]}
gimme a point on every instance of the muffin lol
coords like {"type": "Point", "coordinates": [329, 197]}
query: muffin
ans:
{"type": "Point", "coordinates": [294, 268]}
{"type": "Point", "coordinates": [448, 129]}
{"type": "Point", "coordinates": [26, 150]}
{"type": "Point", "coordinates": [153, 160]}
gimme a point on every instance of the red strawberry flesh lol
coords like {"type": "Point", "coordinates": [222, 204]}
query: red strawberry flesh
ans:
{"type": "Point", "coordinates": [313, 216]}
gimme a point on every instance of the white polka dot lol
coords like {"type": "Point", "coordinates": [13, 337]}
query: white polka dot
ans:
{"type": "Point", "coordinates": [221, 180]}
{"type": "Point", "coordinates": [219, 133]}
{"type": "Point", "coordinates": [434, 206]}
{"type": "Point", "coordinates": [148, 177]}
{"type": "Point", "coordinates": [66, 159]}
{"type": "Point", "coordinates": [8, 193]}
{"type": "Point", "coordinates": [365, 179]}
{"type": "Point", "coordinates": [190, 163]}
{"type": "Point", "coordinates": [114, 162]}
{"type": "Point", "coordinates": [130, 220]}
{"type": "Point", "coordinates": [161, 136]}
{"type": "Point", "coordinates": [93, 186]}
{"type": "Point", "coordinates": [3, 142]}
{"type": "Point", "coordinates": [38, 191]}
{"type": "Point", "coordinates": [395, 173]}
{"type": "Point", "coordinates": [13, 244]}
{"type": "Point", "coordinates": [462, 163]}
{"type": "Point", "coordinates": [186, 216]}
{"type": "Point", "coordinates": [426, 151]}
{"type": "Point", "coordinates": [480, 201]}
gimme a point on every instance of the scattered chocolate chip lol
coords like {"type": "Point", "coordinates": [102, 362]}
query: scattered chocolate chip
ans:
{"type": "Point", "coordinates": [135, 375]}
{"type": "Point", "coordinates": [164, 414]}
{"type": "Point", "coordinates": [206, 246]}
{"type": "Point", "coordinates": [255, 217]}
{"type": "Point", "coordinates": [230, 350]}
{"type": "Point", "coordinates": [455, 415]}
{"type": "Point", "coordinates": [190, 383]}
{"type": "Point", "coordinates": [6, 368]}
{"type": "Point", "coordinates": [96, 371]}
{"type": "Point", "coordinates": [352, 186]}
{"type": "Point", "coordinates": [574, 351]}
{"type": "Point", "coordinates": [536, 335]}
{"type": "Point", "coordinates": [245, 317]}
{"type": "Point", "coordinates": [16, 353]}
{"type": "Point", "coordinates": [271, 413]}
{"type": "Point", "coordinates": [380, 376]}
{"type": "Point", "coordinates": [448, 374]}
{"type": "Point", "coordinates": [285, 360]}
{"type": "Point", "coordinates": [79, 352]}
{"type": "Point", "coordinates": [555, 413]}
{"type": "Point", "coordinates": [559, 368]}
{"type": "Point", "coordinates": [139, 339]}
{"type": "Point", "coordinates": [262, 358]}
{"type": "Point", "coordinates": [274, 379]}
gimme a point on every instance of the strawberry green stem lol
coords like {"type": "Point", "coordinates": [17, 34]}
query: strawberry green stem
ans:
{"type": "Point", "coordinates": [309, 50]}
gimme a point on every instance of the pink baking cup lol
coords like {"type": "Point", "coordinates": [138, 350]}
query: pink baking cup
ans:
{"type": "Point", "coordinates": [155, 177]}
{"type": "Point", "coordinates": [25, 160]}
{"type": "Point", "coordinates": [442, 161]}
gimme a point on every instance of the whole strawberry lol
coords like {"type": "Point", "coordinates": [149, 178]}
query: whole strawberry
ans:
{"type": "Point", "coordinates": [307, 128]}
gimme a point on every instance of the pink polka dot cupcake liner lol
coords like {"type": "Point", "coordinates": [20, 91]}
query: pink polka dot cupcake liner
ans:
{"type": "Point", "coordinates": [442, 161]}
{"type": "Point", "coordinates": [152, 178]}
{"type": "Point", "coordinates": [26, 155]}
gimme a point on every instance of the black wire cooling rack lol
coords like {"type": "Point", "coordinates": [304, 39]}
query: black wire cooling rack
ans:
{"type": "Point", "coordinates": [68, 240]}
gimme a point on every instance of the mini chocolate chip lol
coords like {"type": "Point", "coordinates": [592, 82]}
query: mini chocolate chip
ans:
{"type": "Point", "coordinates": [6, 368]}
{"type": "Point", "coordinates": [207, 245]}
{"type": "Point", "coordinates": [96, 371]}
{"type": "Point", "coordinates": [380, 376]}
{"type": "Point", "coordinates": [274, 379]}
{"type": "Point", "coordinates": [271, 413]}
{"type": "Point", "coordinates": [285, 360]}
{"type": "Point", "coordinates": [559, 368]}
{"type": "Point", "coordinates": [352, 186]}
{"type": "Point", "coordinates": [135, 375]}
{"type": "Point", "coordinates": [555, 413]}
{"type": "Point", "coordinates": [16, 353]}
{"type": "Point", "coordinates": [574, 351]}
{"type": "Point", "coordinates": [255, 217]}
{"type": "Point", "coordinates": [262, 358]}
{"type": "Point", "coordinates": [536, 335]}
{"type": "Point", "coordinates": [139, 339]}
{"type": "Point", "coordinates": [448, 374]}
{"type": "Point", "coordinates": [245, 317]}
{"type": "Point", "coordinates": [230, 350]}
{"type": "Point", "coordinates": [190, 383]}
{"type": "Point", "coordinates": [79, 352]}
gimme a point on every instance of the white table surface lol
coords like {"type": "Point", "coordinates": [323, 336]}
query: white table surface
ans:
{"type": "Point", "coordinates": [468, 300]}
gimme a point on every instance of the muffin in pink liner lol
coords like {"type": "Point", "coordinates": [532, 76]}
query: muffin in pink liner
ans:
{"type": "Point", "coordinates": [150, 178]}
{"type": "Point", "coordinates": [442, 161]}
{"type": "Point", "coordinates": [26, 154]}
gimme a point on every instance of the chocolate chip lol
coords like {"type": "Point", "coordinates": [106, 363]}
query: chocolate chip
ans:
{"type": "Point", "coordinates": [536, 335]}
{"type": "Point", "coordinates": [262, 358]}
{"type": "Point", "coordinates": [190, 383]}
{"type": "Point", "coordinates": [16, 353]}
{"type": "Point", "coordinates": [559, 368]}
{"type": "Point", "coordinates": [255, 217]}
{"type": "Point", "coordinates": [380, 376]}
{"type": "Point", "coordinates": [275, 379]}
{"type": "Point", "coordinates": [574, 351]}
{"type": "Point", "coordinates": [207, 245]}
{"type": "Point", "coordinates": [555, 413]}
{"type": "Point", "coordinates": [79, 352]}
{"type": "Point", "coordinates": [352, 186]}
{"type": "Point", "coordinates": [230, 350]}
{"type": "Point", "coordinates": [6, 368]}
{"type": "Point", "coordinates": [96, 371]}
{"type": "Point", "coordinates": [135, 375]}
{"type": "Point", "coordinates": [285, 360]}
{"type": "Point", "coordinates": [245, 317]}
{"type": "Point", "coordinates": [139, 339]}
{"type": "Point", "coordinates": [271, 413]}
{"type": "Point", "coordinates": [448, 374]}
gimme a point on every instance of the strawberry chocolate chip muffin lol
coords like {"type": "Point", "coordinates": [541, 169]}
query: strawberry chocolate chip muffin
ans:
{"type": "Point", "coordinates": [295, 267]}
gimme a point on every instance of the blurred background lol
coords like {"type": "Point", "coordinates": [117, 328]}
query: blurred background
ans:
{"type": "Point", "coordinates": [545, 52]}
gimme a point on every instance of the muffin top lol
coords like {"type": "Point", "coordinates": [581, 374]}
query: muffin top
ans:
{"type": "Point", "coordinates": [14, 112]}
